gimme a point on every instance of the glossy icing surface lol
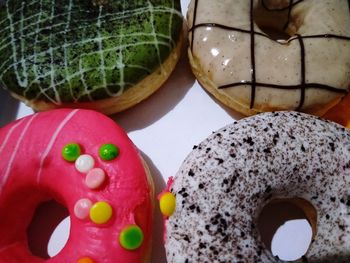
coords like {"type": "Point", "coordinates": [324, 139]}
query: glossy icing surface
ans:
{"type": "Point", "coordinates": [308, 69]}
{"type": "Point", "coordinates": [228, 178]}
{"type": "Point", "coordinates": [77, 51]}
{"type": "Point", "coordinates": [32, 170]}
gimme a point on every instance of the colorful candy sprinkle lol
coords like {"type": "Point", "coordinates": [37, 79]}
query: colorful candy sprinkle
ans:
{"type": "Point", "coordinates": [131, 237]}
{"type": "Point", "coordinates": [167, 203]}
{"type": "Point", "coordinates": [85, 260]}
{"type": "Point", "coordinates": [70, 152]}
{"type": "Point", "coordinates": [95, 178]}
{"type": "Point", "coordinates": [84, 163]}
{"type": "Point", "coordinates": [101, 212]}
{"type": "Point", "coordinates": [108, 152]}
{"type": "Point", "coordinates": [82, 208]}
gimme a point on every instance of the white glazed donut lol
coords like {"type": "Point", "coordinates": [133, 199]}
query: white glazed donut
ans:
{"type": "Point", "coordinates": [225, 182]}
{"type": "Point", "coordinates": [244, 68]}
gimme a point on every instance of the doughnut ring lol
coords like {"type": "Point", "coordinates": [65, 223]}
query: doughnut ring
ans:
{"type": "Point", "coordinates": [236, 59]}
{"type": "Point", "coordinates": [106, 55]}
{"type": "Point", "coordinates": [93, 169]}
{"type": "Point", "coordinates": [225, 182]}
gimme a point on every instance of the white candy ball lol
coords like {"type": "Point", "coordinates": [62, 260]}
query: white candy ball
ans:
{"type": "Point", "coordinates": [84, 163]}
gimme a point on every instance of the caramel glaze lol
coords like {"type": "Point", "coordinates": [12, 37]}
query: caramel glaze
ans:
{"type": "Point", "coordinates": [303, 85]}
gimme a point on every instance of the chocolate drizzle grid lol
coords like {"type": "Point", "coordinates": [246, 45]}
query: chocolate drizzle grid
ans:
{"type": "Point", "coordinates": [302, 69]}
{"type": "Point", "coordinates": [194, 21]}
{"type": "Point", "coordinates": [252, 52]}
{"type": "Point", "coordinates": [253, 83]}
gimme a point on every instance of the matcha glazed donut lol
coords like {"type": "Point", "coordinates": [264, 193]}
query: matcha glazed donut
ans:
{"type": "Point", "coordinates": [105, 55]}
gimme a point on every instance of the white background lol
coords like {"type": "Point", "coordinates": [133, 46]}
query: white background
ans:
{"type": "Point", "coordinates": [164, 127]}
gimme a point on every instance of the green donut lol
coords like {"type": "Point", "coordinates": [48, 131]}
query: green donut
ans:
{"type": "Point", "coordinates": [76, 51]}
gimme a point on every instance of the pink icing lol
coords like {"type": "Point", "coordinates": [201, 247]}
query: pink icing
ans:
{"type": "Point", "coordinates": [32, 171]}
{"type": "Point", "coordinates": [95, 178]}
{"type": "Point", "coordinates": [82, 208]}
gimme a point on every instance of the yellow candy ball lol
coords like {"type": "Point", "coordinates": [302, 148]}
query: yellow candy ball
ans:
{"type": "Point", "coordinates": [167, 203]}
{"type": "Point", "coordinates": [101, 212]}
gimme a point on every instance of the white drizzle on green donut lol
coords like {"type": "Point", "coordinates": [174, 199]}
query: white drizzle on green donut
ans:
{"type": "Point", "coordinates": [30, 71]}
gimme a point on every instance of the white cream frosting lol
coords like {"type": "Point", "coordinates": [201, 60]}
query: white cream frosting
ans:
{"type": "Point", "coordinates": [228, 178]}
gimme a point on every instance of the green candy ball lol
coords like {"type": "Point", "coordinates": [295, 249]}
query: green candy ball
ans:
{"type": "Point", "coordinates": [71, 152]}
{"type": "Point", "coordinates": [131, 237]}
{"type": "Point", "coordinates": [108, 152]}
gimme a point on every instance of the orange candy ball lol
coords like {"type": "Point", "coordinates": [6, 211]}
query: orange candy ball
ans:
{"type": "Point", "coordinates": [85, 260]}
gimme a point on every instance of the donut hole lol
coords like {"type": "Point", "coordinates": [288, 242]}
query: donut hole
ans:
{"type": "Point", "coordinates": [274, 22]}
{"type": "Point", "coordinates": [47, 233]}
{"type": "Point", "coordinates": [287, 227]}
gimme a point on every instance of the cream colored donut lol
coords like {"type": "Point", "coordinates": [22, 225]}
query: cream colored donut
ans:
{"type": "Point", "coordinates": [250, 72]}
{"type": "Point", "coordinates": [225, 182]}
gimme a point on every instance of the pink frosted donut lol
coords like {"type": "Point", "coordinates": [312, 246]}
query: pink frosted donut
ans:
{"type": "Point", "coordinates": [84, 161]}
